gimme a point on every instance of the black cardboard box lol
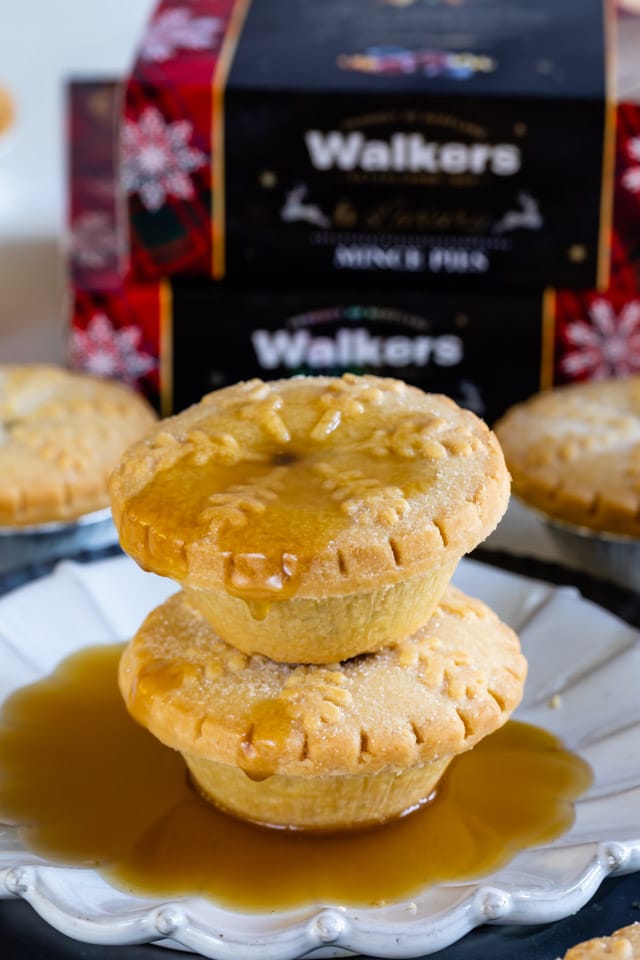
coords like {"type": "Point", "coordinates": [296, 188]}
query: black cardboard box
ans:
{"type": "Point", "coordinates": [409, 143]}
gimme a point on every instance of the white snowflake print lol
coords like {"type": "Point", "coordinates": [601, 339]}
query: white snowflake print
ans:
{"type": "Point", "coordinates": [94, 242]}
{"type": "Point", "coordinates": [631, 176]}
{"type": "Point", "coordinates": [605, 345]}
{"type": "Point", "coordinates": [157, 158]}
{"type": "Point", "coordinates": [176, 30]}
{"type": "Point", "coordinates": [105, 351]}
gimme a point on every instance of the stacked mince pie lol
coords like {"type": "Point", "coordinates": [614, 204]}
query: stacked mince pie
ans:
{"type": "Point", "coordinates": [316, 670]}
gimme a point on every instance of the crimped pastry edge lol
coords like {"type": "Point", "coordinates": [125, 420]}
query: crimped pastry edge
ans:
{"type": "Point", "coordinates": [360, 557]}
{"type": "Point", "coordinates": [56, 493]}
{"type": "Point", "coordinates": [455, 726]}
{"type": "Point", "coordinates": [614, 946]}
{"type": "Point", "coordinates": [610, 508]}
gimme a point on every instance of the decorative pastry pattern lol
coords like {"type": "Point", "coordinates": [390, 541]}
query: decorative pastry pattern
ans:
{"type": "Point", "coordinates": [574, 454]}
{"type": "Point", "coordinates": [624, 944]}
{"type": "Point", "coordinates": [454, 680]}
{"type": "Point", "coordinates": [316, 468]}
{"type": "Point", "coordinates": [61, 435]}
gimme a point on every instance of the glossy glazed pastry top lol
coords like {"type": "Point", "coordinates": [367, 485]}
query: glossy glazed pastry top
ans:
{"type": "Point", "coordinates": [309, 487]}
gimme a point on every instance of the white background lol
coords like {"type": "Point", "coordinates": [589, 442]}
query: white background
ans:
{"type": "Point", "coordinates": [42, 44]}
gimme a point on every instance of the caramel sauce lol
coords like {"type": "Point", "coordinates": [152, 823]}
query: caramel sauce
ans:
{"type": "Point", "coordinates": [270, 728]}
{"type": "Point", "coordinates": [89, 787]}
{"type": "Point", "coordinates": [258, 608]}
{"type": "Point", "coordinates": [253, 532]}
{"type": "Point", "coordinates": [270, 515]}
{"type": "Point", "coordinates": [7, 110]}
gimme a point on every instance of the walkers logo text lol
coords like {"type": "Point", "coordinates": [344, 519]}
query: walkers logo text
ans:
{"type": "Point", "coordinates": [409, 152]}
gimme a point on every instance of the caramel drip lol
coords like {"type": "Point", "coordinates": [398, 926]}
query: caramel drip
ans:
{"type": "Point", "coordinates": [267, 482]}
{"type": "Point", "coordinates": [270, 515]}
{"type": "Point", "coordinates": [157, 679]}
{"type": "Point", "coordinates": [258, 609]}
{"type": "Point", "coordinates": [88, 786]}
{"type": "Point", "coordinates": [265, 740]}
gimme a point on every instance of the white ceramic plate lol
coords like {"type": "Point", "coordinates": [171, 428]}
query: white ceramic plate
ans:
{"type": "Point", "coordinates": [577, 651]}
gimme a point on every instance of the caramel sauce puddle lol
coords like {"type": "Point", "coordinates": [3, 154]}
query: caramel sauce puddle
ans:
{"type": "Point", "coordinates": [89, 787]}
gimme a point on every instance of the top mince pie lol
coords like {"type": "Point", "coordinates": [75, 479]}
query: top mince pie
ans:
{"type": "Point", "coordinates": [61, 435]}
{"type": "Point", "coordinates": [312, 519]}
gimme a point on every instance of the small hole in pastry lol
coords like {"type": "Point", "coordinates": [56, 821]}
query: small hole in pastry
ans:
{"type": "Point", "coordinates": [283, 458]}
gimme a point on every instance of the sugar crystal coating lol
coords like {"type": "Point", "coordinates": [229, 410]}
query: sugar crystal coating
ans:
{"type": "Point", "coordinates": [61, 435]}
{"type": "Point", "coordinates": [318, 485]}
{"type": "Point", "coordinates": [434, 694]}
{"type": "Point", "coordinates": [574, 453]}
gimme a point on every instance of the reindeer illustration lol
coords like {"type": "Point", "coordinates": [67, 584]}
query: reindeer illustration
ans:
{"type": "Point", "coordinates": [528, 217]}
{"type": "Point", "coordinates": [295, 209]}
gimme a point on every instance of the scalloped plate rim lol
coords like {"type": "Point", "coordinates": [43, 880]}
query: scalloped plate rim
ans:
{"type": "Point", "coordinates": [399, 930]}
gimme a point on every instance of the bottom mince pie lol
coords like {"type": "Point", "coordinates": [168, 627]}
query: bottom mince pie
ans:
{"type": "Point", "coordinates": [322, 747]}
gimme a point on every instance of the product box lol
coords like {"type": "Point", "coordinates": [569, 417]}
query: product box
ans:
{"type": "Point", "coordinates": [417, 143]}
{"type": "Point", "coordinates": [176, 339]}
{"type": "Point", "coordinates": [180, 340]}
{"type": "Point", "coordinates": [96, 237]}
{"type": "Point", "coordinates": [114, 325]}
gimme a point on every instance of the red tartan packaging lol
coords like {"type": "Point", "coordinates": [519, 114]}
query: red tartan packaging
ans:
{"type": "Point", "coordinates": [400, 143]}
{"type": "Point", "coordinates": [114, 330]}
{"type": "Point", "coordinates": [95, 242]}
{"type": "Point", "coordinates": [597, 334]}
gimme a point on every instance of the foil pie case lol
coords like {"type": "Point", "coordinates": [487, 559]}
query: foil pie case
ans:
{"type": "Point", "coordinates": [22, 547]}
{"type": "Point", "coordinates": [611, 557]}
{"type": "Point", "coordinates": [525, 532]}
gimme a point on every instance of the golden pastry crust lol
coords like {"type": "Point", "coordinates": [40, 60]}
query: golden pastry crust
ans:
{"type": "Point", "coordinates": [430, 697]}
{"type": "Point", "coordinates": [317, 803]}
{"type": "Point", "coordinates": [61, 434]}
{"type": "Point", "coordinates": [574, 453]}
{"type": "Point", "coordinates": [624, 944]}
{"type": "Point", "coordinates": [309, 487]}
{"type": "Point", "coordinates": [307, 630]}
